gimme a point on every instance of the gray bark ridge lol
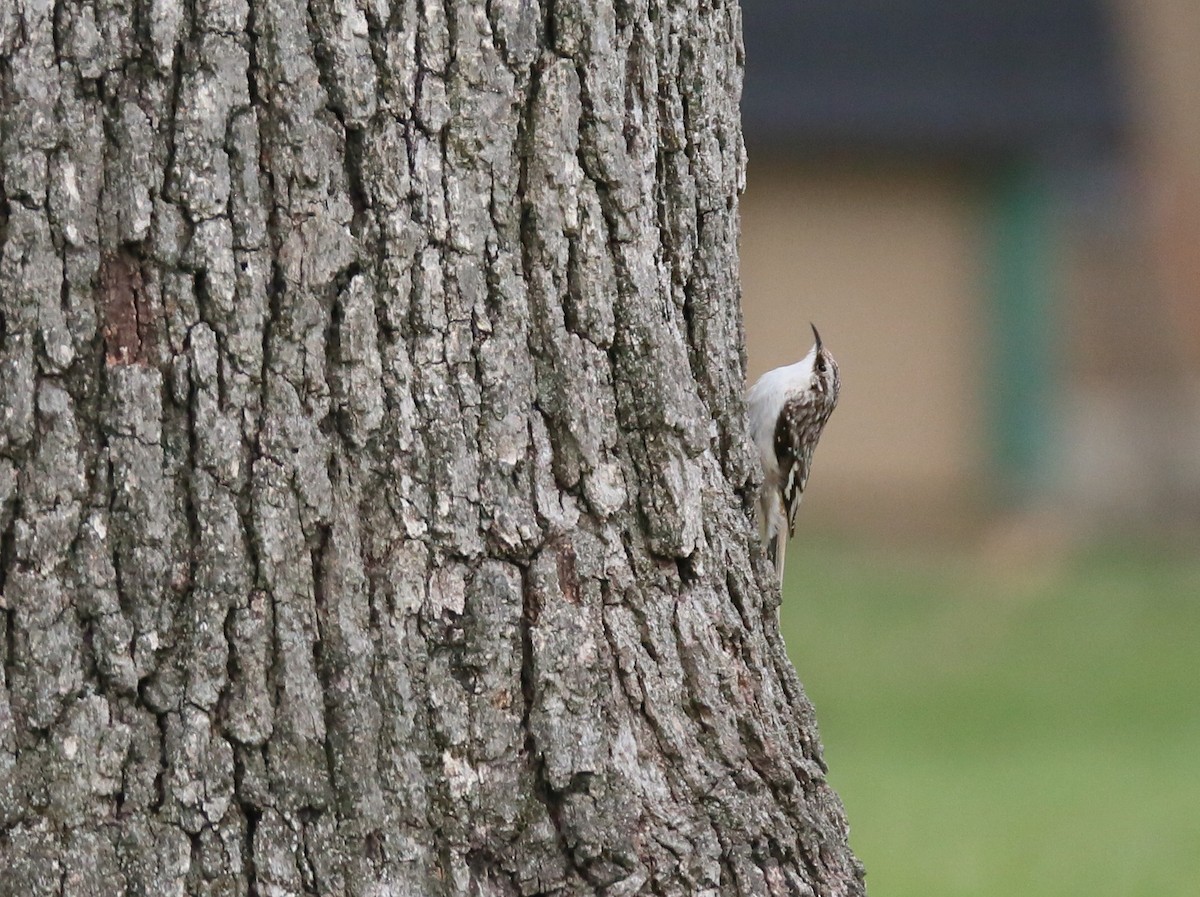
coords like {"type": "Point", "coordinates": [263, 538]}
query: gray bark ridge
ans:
{"type": "Point", "coordinates": [374, 486]}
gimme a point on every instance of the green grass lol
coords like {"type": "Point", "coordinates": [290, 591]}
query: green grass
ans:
{"type": "Point", "coordinates": [1031, 733]}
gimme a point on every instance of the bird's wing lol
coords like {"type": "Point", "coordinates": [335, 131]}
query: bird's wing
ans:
{"type": "Point", "coordinates": [795, 435]}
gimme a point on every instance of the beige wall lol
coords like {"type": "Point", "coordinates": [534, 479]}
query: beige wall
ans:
{"type": "Point", "coordinates": [1161, 40]}
{"type": "Point", "coordinates": [884, 262]}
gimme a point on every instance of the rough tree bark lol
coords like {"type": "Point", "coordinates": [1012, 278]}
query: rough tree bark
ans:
{"type": "Point", "coordinates": [374, 487]}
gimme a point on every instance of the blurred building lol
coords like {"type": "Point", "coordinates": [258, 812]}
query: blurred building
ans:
{"type": "Point", "coordinates": [954, 194]}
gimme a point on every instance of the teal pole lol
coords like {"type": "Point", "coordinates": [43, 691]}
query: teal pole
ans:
{"type": "Point", "coordinates": [1022, 332]}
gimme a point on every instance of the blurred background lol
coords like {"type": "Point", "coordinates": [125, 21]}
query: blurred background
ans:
{"type": "Point", "coordinates": [992, 212]}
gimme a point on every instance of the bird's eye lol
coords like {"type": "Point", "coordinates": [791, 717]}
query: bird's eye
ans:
{"type": "Point", "coordinates": [820, 364]}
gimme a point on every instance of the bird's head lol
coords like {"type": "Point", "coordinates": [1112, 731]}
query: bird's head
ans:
{"type": "Point", "coordinates": [825, 379]}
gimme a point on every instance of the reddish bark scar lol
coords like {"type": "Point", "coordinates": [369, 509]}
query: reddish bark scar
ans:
{"type": "Point", "coordinates": [125, 309]}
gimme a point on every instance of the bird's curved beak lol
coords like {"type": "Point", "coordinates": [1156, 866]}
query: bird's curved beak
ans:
{"type": "Point", "coordinates": [816, 335]}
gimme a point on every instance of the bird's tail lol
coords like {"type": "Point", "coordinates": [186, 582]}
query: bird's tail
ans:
{"type": "Point", "coordinates": [773, 531]}
{"type": "Point", "coordinates": [778, 550]}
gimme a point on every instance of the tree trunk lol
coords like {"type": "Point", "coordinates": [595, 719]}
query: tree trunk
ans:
{"type": "Point", "coordinates": [374, 484]}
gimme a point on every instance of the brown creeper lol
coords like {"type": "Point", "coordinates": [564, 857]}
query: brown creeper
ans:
{"type": "Point", "coordinates": [788, 408]}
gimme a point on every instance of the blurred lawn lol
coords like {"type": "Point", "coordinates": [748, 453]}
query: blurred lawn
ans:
{"type": "Point", "coordinates": [1007, 732]}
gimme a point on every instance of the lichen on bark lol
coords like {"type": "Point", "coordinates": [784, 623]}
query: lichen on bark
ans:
{"type": "Point", "coordinates": [374, 484]}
